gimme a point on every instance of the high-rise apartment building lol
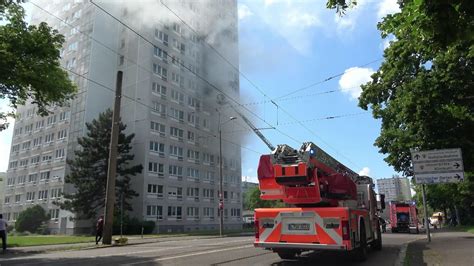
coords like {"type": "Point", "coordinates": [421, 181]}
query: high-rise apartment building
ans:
{"type": "Point", "coordinates": [173, 88]}
{"type": "Point", "coordinates": [395, 188]}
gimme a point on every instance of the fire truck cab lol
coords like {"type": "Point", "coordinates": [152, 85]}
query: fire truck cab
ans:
{"type": "Point", "coordinates": [330, 207]}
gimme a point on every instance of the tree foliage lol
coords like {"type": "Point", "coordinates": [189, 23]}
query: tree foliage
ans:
{"type": "Point", "coordinates": [424, 90]}
{"type": "Point", "coordinates": [88, 170]}
{"type": "Point", "coordinates": [30, 68]}
{"type": "Point", "coordinates": [252, 200]}
{"type": "Point", "coordinates": [31, 219]}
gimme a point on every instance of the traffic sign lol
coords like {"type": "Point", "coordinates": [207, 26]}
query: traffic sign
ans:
{"type": "Point", "coordinates": [439, 178]}
{"type": "Point", "coordinates": [438, 166]}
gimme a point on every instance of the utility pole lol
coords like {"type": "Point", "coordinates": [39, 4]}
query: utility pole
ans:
{"type": "Point", "coordinates": [112, 171]}
{"type": "Point", "coordinates": [427, 223]}
{"type": "Point", "coordinates": [221, 192]}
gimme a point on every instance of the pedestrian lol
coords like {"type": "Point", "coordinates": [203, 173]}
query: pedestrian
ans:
{"type": "Point", "coordinates": [383, 223]}
{"type": "Point", "coordinates": [440, 220]}
{"type": "Point", "coordinates": [99, 229]}
{"type": "Point", "coordinates": [3, 232]}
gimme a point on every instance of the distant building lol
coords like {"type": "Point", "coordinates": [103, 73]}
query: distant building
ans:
{"type": "Point", "coordinates": [395, 188]}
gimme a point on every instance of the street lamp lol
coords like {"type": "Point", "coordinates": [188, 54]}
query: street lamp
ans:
{"type": "Point", "coordinates": [221, 190]}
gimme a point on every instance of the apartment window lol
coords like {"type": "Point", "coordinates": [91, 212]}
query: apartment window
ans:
{"type": "Point", "coordinates": [47, 158]}
{"type": "Point", "coordinates": [63, 116]}
{"type": "Point", "coordinates": [23, 162]}
{"type": "Point", "coordinates": [161, 71]}
{"type": "Point", "coordinates": [54, 214]}
{"type": "Point", "coordinates": [209, 176]}
{"type": "Point", "coordinates": [60, 153]}
{"type": "Point", "coordinates": [193, 155]}
{"type": "Point", "coordinates": [62, 134]}
{"type": "Point", "coordinates": [13, 165]}
{"type": "Point", "coordinates": [193, 102]}
{"type": "Point", "coordinates": [11, 181]}
{"type": "Point", "coordinates": [15, 148]}
{"type": "Point", "coordinates": [160, 108]}
{"type": "Point", "coordinates": [177, 28]}
{"type": "Point", "coordinates": [193, 173]}
{"type": "Point", "coordinates": [177, 96]}
{"type": "Point", "coordinates": [178, 79]}
{"type": "Point", "coordinates": [45, 175]}
{"type": "Point", "coordinates": [192, 192]}
{"type": "Point", "coordinates": [205, 123]}
{"type": "Point", "coordinates": [208, 193]}
{"type": "Point", "coordinates": [163, 37]}
{"type": "Point", "coordinates": [49, 138]}
{"type": "Point", "coordinates": [32, 178]}
{"type": "Point", "coordinates": [26, 145]}
{"type": "Point", "coordinates": [157, 168]}
{"type": "Point", "coordinates": [7, 200]}
{"type": "Point", "coordinates": [157, 127]}
{"type": "Point", "coordinates": [37, 141]}
{"type": "Point", "coordinates": [192, 212]}
{"type": "Point", "coordinates": [72, 46]}
{"type": "Point", "coordinates": [157, 51]}
{"type": "Point", "coordinates": [175, 170]}
{"type": "Point", "coordinates": [42, 194]}
{"type": "Point", "coordinates": [174, 212]}
{"type": "Point", "coordinates": [155, 189]}
{"type": "Point", "coordinates": [40, 124]}
{"type": "Point", "coordinates": [177, 114]}
{"type": "Point", "coordinates": [30, 196]}
{"type": "Point", "coordinates": [17, 198]}
{"type": "Point", "coordinates": [21, 179]}
{"type": "Point", "coordinates": [56, 193]}
{"type": "Point", "coordinates": [159, 89]}
{"type": "Point", "coordinates": [51, 120]}
{"type": "Point", "coordinates": [175, 192]}
{"type": "Point", "coordinates": [157, 147]}
{"type": "Point", "coordinates": [28, 128]}
{"type": "Point", "coordinates": [176, 151]}
{"type": "Point", "coordinates": [176, 133]}
{"type": "Point", "coordinates": [154, 211]}
{"type": "Point", "coordinates": [208, 212]}
{"type": "Point", "coordinates": [190, 136]}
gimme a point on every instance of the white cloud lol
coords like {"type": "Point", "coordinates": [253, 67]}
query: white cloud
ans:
{"type": "Point", "coordinates": [352, 79]}
{"type": "Point", "coordinates": [5, 137]}
{"type": "Point", "coordinates": [349, 19]}
{"type": "Point", "coordinates": [365, 171]}
{"type": "Point", "coordinates": [244, 11]}
{"type": "Point", "coordinates": [387, 7]}
{"type": "Point", "coordinates": [269, 2]}
{"type": "Point", "coordinates": [303, 20]}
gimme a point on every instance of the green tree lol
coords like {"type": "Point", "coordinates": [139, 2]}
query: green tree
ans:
{"type": "Point", "coordinates": [423, 92]}
{"type": "Point", "coordinates": [29, 68]}
{"type": "Point", "coordinates": [252, 200]}
{"type": "Point", "coordinates": [88, 170]}
{"type": "Point", "coordinates": [31, 219]}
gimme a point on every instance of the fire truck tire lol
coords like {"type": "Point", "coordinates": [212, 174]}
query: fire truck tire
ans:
{"type": "Point", "coordinates": [377, 244]}
{"type": "Point", "coordinates": [286, 254]}
{"type": "Point", "coordinates": [361, 253]}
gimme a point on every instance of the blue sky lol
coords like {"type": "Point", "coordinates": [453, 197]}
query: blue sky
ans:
{"type": "Point", "coordinates": [286, 45]}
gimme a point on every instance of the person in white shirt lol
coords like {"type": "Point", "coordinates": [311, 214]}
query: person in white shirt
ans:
{"type": "Point", "coordinates": [3, 232]}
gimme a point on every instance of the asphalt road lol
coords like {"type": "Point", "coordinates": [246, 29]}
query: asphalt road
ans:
{"type": "Point", "coordinates": [216, 251]}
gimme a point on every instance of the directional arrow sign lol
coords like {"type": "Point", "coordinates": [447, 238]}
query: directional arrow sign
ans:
{"type": "Point", "coordinates": [438, 166]}
{"type": "Point", "coordinates": [439, 178]}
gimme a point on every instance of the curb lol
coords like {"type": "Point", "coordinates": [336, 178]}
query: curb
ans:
{"type": "Point", "coordinates": [403, 252]}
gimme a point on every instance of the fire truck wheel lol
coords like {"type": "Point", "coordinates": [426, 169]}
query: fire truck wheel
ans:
{"type": "Point", "coordinates": [287, 254]}
{"type": "Point", "coordinates": [377, 244]}
{"type": "Point", "coordinates": [361, 253]}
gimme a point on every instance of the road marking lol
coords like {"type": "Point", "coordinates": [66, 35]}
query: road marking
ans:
{"type": "Point", "coordinates": [191, 254]}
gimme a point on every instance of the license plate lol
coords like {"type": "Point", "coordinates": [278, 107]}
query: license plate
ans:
{"type": "Point", "coordinates": [298, 227]}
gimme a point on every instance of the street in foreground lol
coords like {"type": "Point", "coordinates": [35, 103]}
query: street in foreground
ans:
{"type": "Point", "coordinates": [216, 251]}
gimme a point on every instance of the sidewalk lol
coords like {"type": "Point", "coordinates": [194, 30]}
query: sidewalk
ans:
{"type": "Point", "coordinates": [132, 240]}
{"type": "Point", "coordinates": [447, 247]}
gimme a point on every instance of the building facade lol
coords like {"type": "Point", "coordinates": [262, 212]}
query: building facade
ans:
{"type": "Point", "coordinates": [395, 188]}
{"type": "Point", "coordinates": [171, 100]}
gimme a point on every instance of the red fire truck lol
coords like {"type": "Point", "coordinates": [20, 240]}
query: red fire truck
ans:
{"type": "Point", "coordinates": [330, 207]}
{"type": "Point", "coordinates": [404, 217]}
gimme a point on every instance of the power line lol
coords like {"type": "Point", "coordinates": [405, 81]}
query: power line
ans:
{"type": "Point", "coordinates": [324, 80]}
{"type": "Point", "coordinates": [271, 100]}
